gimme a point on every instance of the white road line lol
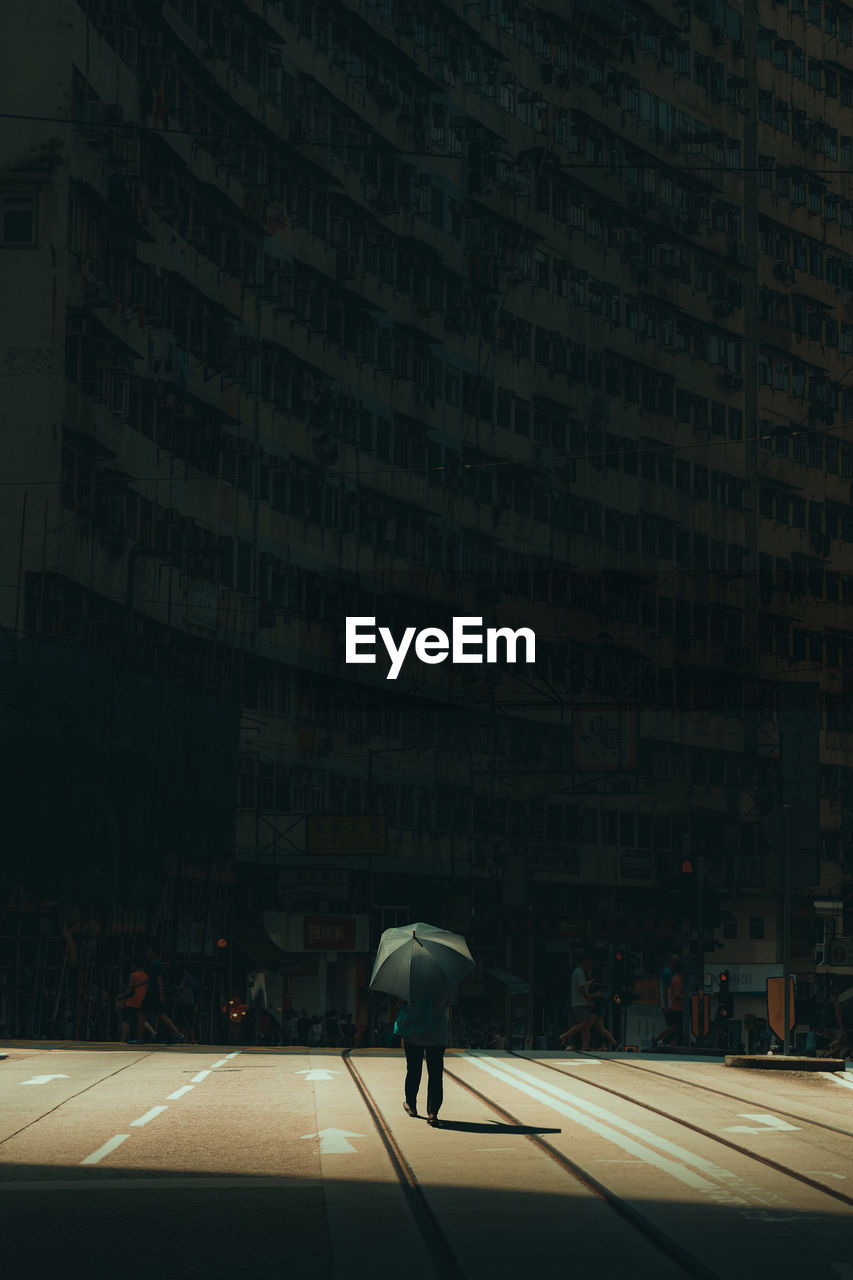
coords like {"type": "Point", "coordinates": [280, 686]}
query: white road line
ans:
{"type": "Point", "coordinates": [220, 1063]}
{"type": "Point", "coordinates": [179, 1093]}
{"type": "Point", "coordinates": [105, 1150]}
{"type": "Point", "coordinates": [677, 1171]}
{"type": "Point", "coordinates": [235, 1054]}
{"type": "Point", "coordinates": [646, 1135]}
{"type": "Point", "coordinates": [201, 1075]}
{"type": "Point", "coordinates": [848, 1084]}
{"type": "Point", "coordinates": [149, 1115]}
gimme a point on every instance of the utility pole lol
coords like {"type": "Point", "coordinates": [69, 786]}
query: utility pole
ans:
{"type": "Point", "coordinates": [786, 933]}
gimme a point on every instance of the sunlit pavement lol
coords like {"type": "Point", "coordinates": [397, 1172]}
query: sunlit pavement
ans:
{"type": "Point", "coordinates": [206, 1160]}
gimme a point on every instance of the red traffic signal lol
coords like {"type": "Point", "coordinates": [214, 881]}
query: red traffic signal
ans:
{"type": "Point", "coordinates": [687, 867]}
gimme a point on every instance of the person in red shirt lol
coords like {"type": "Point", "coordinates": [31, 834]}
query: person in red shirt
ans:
{"type": "Point", "coordinates": [133, 1019]}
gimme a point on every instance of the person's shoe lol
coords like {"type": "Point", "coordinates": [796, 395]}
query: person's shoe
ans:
{"type": "Point", "coordinates": [179, 1040]}
{"type": "Point", "coordinates": [433, 1120]}
{"type": "Point", "coordinates": [410, 1111]}
{"type": "Point", "coordinates": [563, 1038]}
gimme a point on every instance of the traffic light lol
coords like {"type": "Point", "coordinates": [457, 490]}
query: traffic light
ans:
{"type": "Point", "coordinates": [724, 996]}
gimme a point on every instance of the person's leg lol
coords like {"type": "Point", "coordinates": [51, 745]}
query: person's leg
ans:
{"type": "Point", "coordinates": [435, 1078]}
{"type": "Point", "coordinates": [176, 1034]}
{"type": "Point", "coordinates": [414, 1071]}
{"type": "Point", "coordinates": [585, 1030]}
{"type": "Point", "coordinates": [604, 1031]}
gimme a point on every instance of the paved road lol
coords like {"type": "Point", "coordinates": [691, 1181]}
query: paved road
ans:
{"type": "Point", "coordinates": [215, 1162]}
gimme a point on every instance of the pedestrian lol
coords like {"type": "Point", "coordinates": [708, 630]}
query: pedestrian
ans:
{"type": "Point", "coordinates": [132, 1016]}
{"type": "Point", "coordinates": [348, 1029]}
{"type": "Point", "coordinates": [672, 998]}
{"type": "Point", "coordinates": [290, 1021]}
{"type": "Point", "coordinates": [303, 1027]}
{"type": "Point", "coordinates": [186, 999]}
{"type": "Point", "coordinates": [583, 1007]}
{"type": "Point", "coordinates": [598, 1028]}
{"type": "Point", "coordinates": [154, 1003]}
{"type": "Point", "coordinates": [425, 1028]}
{"type": "Point", "coordinates": [316, 1032]}
{"type": "Point", "coordinates": [334, 1032]}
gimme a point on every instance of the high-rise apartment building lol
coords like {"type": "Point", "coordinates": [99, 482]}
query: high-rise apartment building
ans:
{"type": "Point", "coordinates": [539, 314]}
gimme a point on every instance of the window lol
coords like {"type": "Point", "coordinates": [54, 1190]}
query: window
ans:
{"type": "Point", "coordinates": [756, 928]}
{"type": "Point", "coordinates": [18, 219]}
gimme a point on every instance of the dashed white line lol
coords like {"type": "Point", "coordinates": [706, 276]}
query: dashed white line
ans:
{"type": "Point", "coordinates": [149, 1115]}
{"type": "Point", "coordinates": [105, 1150]}
{"type": "Point", "coordinates": [220, 1063]}
{"type": "Point", "coordinates": [235, 1054]}
{"type": "Point", "coordinates": [179, 1093]}
{"type": "Point", "coordinates": [201, 1075]}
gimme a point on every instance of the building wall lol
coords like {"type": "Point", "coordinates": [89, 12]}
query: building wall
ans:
{"type": "Point", "coordinates": [458, 310]}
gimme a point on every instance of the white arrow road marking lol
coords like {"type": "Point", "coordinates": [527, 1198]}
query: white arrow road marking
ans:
{"type": "Point", "coordinates": [841, 1080]}
{"type": "Point", "coordinates": [334, 1141]}
{"type": "Point", "coordinates": [766, 1124]}
{"type": "Point", "coordinates": [45, 1079]}
{"type": "Point", "coordinates": [149, 1115]}
{"type": "Point", "coordinates": [105, 1150]}
{"type": "Point", "coordinates": [317, 1073]}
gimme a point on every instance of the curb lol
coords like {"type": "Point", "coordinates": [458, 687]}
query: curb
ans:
{"type": "Point", "coordinates": [778, 1062]}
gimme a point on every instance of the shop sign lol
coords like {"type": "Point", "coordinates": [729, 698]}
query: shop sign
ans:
{"type": "Point", "coordinates": [342, 835]}
{"type": "Point", "coordinates": [329, 933]}
{"type": "Point", "coordinates": [316, 882]}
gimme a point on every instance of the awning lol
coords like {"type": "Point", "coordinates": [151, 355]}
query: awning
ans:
{"type": "Point", "coordinates": [517, 986]}
{"type": "Point", "coordinates": [259, 946]}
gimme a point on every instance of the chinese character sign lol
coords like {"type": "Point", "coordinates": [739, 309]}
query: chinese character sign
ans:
{"type": "Point", "coordinates": [605, 738]}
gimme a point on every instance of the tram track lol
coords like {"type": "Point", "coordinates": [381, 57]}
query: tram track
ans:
{"type": "Point", "coordinates": [435, 1239]}
{"type": "Point", "coordinates": [707, 1088]}
{"type": "Point", "coordinates": [776, 1165]}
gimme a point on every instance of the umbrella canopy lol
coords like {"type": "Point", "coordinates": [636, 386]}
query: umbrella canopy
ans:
{"type": "Point", "coordinates": [417, 960]}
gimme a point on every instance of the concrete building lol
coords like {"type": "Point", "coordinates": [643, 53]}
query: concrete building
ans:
{"type": "Point", "coordinates": [421, 310]}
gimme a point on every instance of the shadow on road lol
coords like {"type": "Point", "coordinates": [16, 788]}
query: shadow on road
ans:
{"type": "Point", "coordinates": [467, 1126]}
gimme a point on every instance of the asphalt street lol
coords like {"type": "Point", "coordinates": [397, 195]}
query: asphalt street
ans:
{"type": "Point", "coordinates": [223, 1162]}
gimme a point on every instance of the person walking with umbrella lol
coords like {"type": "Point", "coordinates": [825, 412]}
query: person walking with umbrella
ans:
{"type": "Point", "coordinates": [424, 1045]}
{"type": "Point", "coordinates": [422, 964]}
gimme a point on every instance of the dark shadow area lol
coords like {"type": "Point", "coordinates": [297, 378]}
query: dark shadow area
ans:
{"type": "Point", "coordinates": [466, 1126]}
{"type": "Point", "coordinates": [141, 1222]}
